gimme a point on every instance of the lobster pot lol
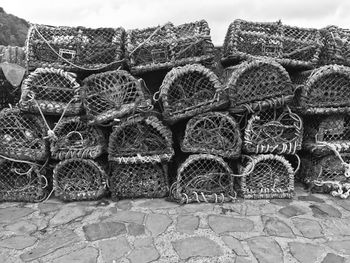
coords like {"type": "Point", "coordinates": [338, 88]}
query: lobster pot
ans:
{"type": "Point", "coordinates": [204, 178]}
{"type": "Point", "coordinates": [190, 90]}
{"type": "Point", "coordinates": [21, 182]}
{"type": "Point", "coordinates": [256, 85]}
{"type": "Point", "coordinates": [326, 90]}
{"type": "Point", "coordinates": [22, 136]}
{"type": "Point", "coordinates": [290, 46]}
{"type": "Point", "coordinates": [326, 174]}
{"type": "Point", "coordinates": [215, 133]}
{"type": "Point", "coordinates": [77, 139]}
{"type": "Point", "coordinates": [168, 46]}
{"type": "Point", "coordinates": [74, 48]}
{"type": "Point", "coordinates": [113, 94]}
{"type": "Point", "coordinates": [336, 48]}
{"type": "Point", "coordinates": [266, 176]}
{"type": "Point", "coordinates": [140, 139]}
{"type": "Point", "coordinates": [277, 131]}
{"type": "Point", "coordinates": [79, 179]}
{"type": "Point", "coordinates": [12, 54]}
{"type": "Point", "coordinates": [149, 180]}
{"type": "Point", "coordinates": [51, 91]}
{"type": "Point", "coordinates": [9, 95]}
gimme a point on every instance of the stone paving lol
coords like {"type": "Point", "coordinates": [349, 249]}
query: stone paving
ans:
{"type": "Point", "coordinates": [307, 229]}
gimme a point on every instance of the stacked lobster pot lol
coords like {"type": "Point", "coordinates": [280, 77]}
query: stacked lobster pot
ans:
{"type": "Point", "coordinates": [52, 99]}
{"type": "Point", "coordinates": [23, 149]}
{"type": "Point", "coordinates": [261, 92]}
{"type": "Point", "coordinates": [324, 103]}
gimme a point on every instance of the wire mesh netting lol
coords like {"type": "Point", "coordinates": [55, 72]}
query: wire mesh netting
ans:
{"type": "Point", "coordinates": [257, 84]}
{"type": "Point", "coordinates": [168, 46]}
{"type": "Point", "coordinates": [21, 182]}
{"type": "Point", "coordinates": [74, 48]}
{"type": "Point", "coordinates": [149, 180]}
{"type": "Point", "coordinates": [79, 179]}
{"type": "Point", "coordinates": [266, 176]}
{"type": "Point", "coordinates": [336, 48]}
{"type": "Point", "coordinates": [274, 131]}
{"type": "Point", "coordinates": [204, 178]}
{"type": "Point", "coordinates": [327, 174]}
{"type": "Point", "coordinates": [215, 133]}
{"type": "Point", "coordinates": [9, 95]}
{"type": "Point", "coordinates": [290, 46]}
{"type": "Point", "coordinates": [22, 136]}
{"type": "Point", "coordinates": [77, 139]}
{"type": "Point", "coordinates": [326, 90]}
{"type": "Point", "coordinates": [325, 131]}
{"type": "Point", "coordinates": [190, 90]}
{"type": "Point", "coordinates": [51, 91]}
{"type": "Point", "coordinates": [113, 94]}
{"type": "Point", "coordinates": [140, 139]}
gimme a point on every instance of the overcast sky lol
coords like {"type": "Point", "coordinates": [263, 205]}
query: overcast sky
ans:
{"type": "Point", "coordinates": [147, 13]}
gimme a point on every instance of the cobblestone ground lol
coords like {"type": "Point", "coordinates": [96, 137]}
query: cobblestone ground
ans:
{"type": "Point", "coordinates": [307, 229]}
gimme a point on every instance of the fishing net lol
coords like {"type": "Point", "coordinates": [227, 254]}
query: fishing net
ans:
{"type": "Point", "coordinates": [51, 91]}
{"type": "Point", "coordinates": [77, 139]}
{"type": "Point", "coordinates": [21, 182]}
{"type": "Point", "coordinates": [215, 133]}
{"type": "Point", "coordinates": [274, 131]}
{"type": "Point", "coordinates": [256, 85]}
{"type": "Point", "coordinates": [326, 90]}
{"type": "Point", "coordinates": [114, 94]}
{"type": "Point", "coordinates": [22, 136]}
{"type": "Point", "coordinates": [290, 46]}
{"type": "Point", "coordinates": [336, 46]}
{"type": "Point", "coordinates": [149, 180]}
{"type": "Point", "coordinates": [79, 179]}
{"type": "Point", "coordinates": [190, 90]}
{"type": "Point", "coordinates": [74, 48]}
{"type": "Point", "coordinates": [140, 139]}
{"type": "Point", "coordinates": [204, 178]}
{"type": "Point", "coordinates": [267, 176]}
{"type": "Point", "coordinates": [169, 46]}
{"type": "Point", "coordinates": [322, 132]}
{"type": "Point", "coordinates": [327, 174]}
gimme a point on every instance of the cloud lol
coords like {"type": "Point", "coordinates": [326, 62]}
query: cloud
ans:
{"type": "Point", "coordinates": [219, 13]}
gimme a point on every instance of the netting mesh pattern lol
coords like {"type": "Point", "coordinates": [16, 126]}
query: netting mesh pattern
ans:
{"type": "Point", "coordinates": [140, 139]}
{"type": "Point", "coordinates": [323, 131]}
{"type": "Point", "coordinates": [290, 46]}
{"type": "Point", "coordinates": [215, 133]}
{"type": "Point", "coordinates": [77, 139]}
{"type": "Point", "coordinates": [168, 46]}
{"type": "Point", "coordinates": [51, 91]}
{"type": "Point", "coordinates": [8, 93]}
{"type": "Point", "coordinates": [74, 48]}
{"type": "Point", "coordinates": [113, 94]}
{"type": "Point", "coordinates": [22, 136]}
{"type": "Point", "coordinates": [79, 179]}
{"type": "Point", "coordinates": [190, 90]}
{"type": "Point", "coordinates": [267, 176]}
{"type": "Point", "coordinates": [149, 180]}
{"type": "Point", "coordinates": [21, 182]}
{"type": "Point", "coordinates": [274, 131]}
{"type": "Point", "coordinates": [325, 174]}
{"type": "Point", "coordinates": [326, 90]}
{"type": "Point", "coordinates": [336, 46]}
{"type": "Point", "coordinates": [204, 178]}
{"type": "Point", "coordinates": [256, 81]}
